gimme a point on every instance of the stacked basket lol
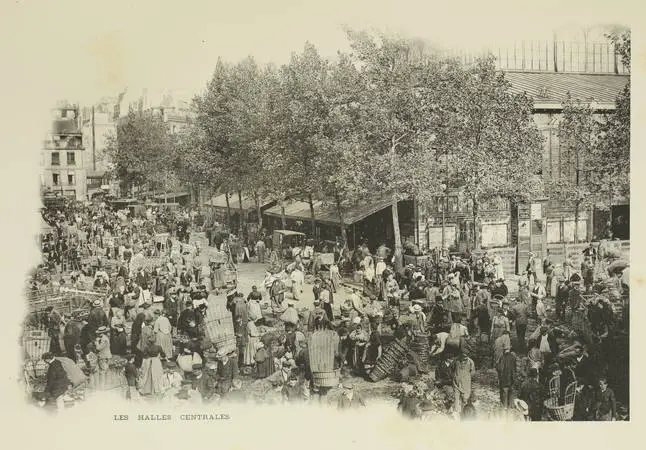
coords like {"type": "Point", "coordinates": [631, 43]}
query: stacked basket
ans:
{"type": "Point", "coordinates": [391, 357]}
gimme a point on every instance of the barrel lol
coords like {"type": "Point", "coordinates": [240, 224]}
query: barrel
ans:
{"type": "Point", "coordinates": [421, 347]}
{"type": "Point", "coordinates": [323, 346]}
{"type": "Point", "coordinates": [391, 357]}
{"type": "Point", "coordinates": [36, 343]}
{"type": "Point", "coordinates": [218, 325]}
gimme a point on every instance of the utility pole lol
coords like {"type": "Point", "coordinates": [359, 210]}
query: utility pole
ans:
{"type": "Point", "coordinates": [93, 143]}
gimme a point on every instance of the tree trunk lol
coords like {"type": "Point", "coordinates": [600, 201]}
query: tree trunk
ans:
{"type": "Point", "coordinates": [258, 211]}
{"type": "Point", "coordinates": [339, 210]}
{"type": "Point", "coordinates": [241, 212]}
{"type": "Point", "coordinates": [312, 215]}
{"type": "Point", "coordinates": [395, 214]}
{"type": "Point", "coordinates": [226, 197]}
{"type": "Point", "coordinates": [476, 212]}
{"type": "Point", "coordinates": [399, 259]}
{"type": "Point", "coordinates": [576, 222]}
{"type": "Point", "coordinates": [283, 219]}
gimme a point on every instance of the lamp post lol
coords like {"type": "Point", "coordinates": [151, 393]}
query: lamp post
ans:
{"type": "Point", "coordinates": [443, 216]}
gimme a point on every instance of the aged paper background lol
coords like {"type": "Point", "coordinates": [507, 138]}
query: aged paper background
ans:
{"type": "Point", "coordinates": [79, 50]}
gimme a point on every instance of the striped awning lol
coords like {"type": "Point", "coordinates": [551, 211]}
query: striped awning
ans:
{"type": "Point", "coordinates": [327, 213]}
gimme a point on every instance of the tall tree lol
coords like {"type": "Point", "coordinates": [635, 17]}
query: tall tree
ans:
{"type": "Point", "coordinates": [395, 119]}
{"type": "Point", "coordinates": [142, 150]}
{"type": "Point", "coordinates": [489, 136]}
{"type": "Point", "coordinates": [578, 133]}
{"type": "Point", "coordinates": [611, 156]}
{"type": "Point", "coordinates": [299, 119]}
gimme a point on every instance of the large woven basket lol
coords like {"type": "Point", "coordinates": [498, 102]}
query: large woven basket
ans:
{"type": "Point", "coordinates": [326, 379]}
{"type": "Point", "coordinates": [556, 412]}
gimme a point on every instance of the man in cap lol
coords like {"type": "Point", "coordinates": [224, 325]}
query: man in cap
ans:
{"type": "Point", "coordinates": [462, 369]}
{"type": "Point", "coordinates": [531, 394]}
{"type": "Point", "coordinates": [349, 399]}
{"type": "Point", "coordinates": [226, 371]}
{"type": "Point", "coordinates": [506, 368]}
{"type": "Point", "coordinates": [562, 293]}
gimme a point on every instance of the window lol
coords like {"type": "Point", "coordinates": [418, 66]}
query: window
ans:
{"type": "Point", "coordinates": [70, 179]}
{"type": "Point", "coordinates": [56, 159]}
{"type": "Point", "coordinates": [55, 179]}
{"type": "Point", "coordinates": [71, 159]}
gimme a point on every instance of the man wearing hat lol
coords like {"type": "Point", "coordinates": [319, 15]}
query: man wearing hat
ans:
{"type": "Point", "coordinates": [419, 319]}
{"type": "Point", "coordinates": [187, 322]}
{"type": "Point", "coordinates": [349, 399]}
{"type": "Point", "coordinates": [531, 267]}
{"type": "Point", "coordinates": [318, 313]}
{"type": "Point", "coordinates": [562, 293]}
{"type": "Point", "coordinates": [103, 353]}
{"type": "Point", "coordinates": [97, 317]}
{"type": "Point", "coordinates": [226, 371]}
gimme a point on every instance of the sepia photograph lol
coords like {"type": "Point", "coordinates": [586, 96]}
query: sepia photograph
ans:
{"type": "Point", "coordinates": [366, 216]}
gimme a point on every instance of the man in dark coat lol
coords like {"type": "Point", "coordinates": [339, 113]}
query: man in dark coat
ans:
{"type": "Point", "coordinates": [188, 320]}
{"type": "Point", "coordinates": [72, 337]}
{"type": "Point", "coordinates": [531, 393]}
{"type": "Point", "coordinates": [57, 381]}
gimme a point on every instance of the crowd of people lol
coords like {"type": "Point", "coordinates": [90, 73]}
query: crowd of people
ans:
{"type": "Point", "coordinates": [154, 318]}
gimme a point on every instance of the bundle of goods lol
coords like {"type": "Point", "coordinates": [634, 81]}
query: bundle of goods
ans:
{"type": "Point", "coordinates": [421, 348]}
{"type": "Point", "coordinates": [389, 360]}
{"type": "Point", "coordinates": [218, 324]}
{"type": "Point", "coordinates": [323, 350]}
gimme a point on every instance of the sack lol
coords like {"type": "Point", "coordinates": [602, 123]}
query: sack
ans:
{"type": "Point", "coordinates": [453, 340]}
{"type": "Point", "coordinates": [73, 372]}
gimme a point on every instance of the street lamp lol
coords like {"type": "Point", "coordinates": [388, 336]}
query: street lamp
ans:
{"type": "Point", "coordinates": [443, 186]}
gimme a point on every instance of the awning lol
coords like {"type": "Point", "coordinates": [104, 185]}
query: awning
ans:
{"type": "Point", "coordinates": [172, 195]}
{"type": "Point", "coordinates": [327, 214]}
{"type": "Point", "coordinates": [220, 201]}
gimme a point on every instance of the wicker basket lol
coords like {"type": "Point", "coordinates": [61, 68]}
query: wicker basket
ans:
{"type": "Point", "coordinates": [556, 412]}
{"type": "Point", "coordinates": [326, 379]}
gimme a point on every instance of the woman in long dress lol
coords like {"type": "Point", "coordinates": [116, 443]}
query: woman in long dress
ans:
{"type": "Point", "coordinates": [152, 372]}
{"type": "Point", "coordinates": [297, 283]}
{"type": "Point", "coordinates": [253, 337]}
{"type": "Point", "coordinates": [163, 332]}
{"type": "Point", "coordinates": [335, 277]}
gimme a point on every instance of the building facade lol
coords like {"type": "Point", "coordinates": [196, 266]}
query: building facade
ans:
{"type": "Point", "coordinates": [543, 222]}
{"type": "Point", "coordinates": [63, 171]}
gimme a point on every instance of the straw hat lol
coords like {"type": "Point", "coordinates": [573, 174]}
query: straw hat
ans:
{"type": "Point", "coordinates": [97, 302]}
{"type": "Point", "coordinates": [521, 406]}
{"type": "Point", "coordinates": [102, 329]}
